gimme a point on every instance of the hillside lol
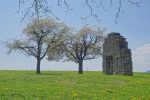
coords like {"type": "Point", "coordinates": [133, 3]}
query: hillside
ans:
{"type": "Point", "coordinates": [26, 85]}
{"type": "Point", "coordinates": [148, 71]}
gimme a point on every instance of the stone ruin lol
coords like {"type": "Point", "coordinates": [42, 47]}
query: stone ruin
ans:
{"type": "Point", "coordinates": [116, 55]}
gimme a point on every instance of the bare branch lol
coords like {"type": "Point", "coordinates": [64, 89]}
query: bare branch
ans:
{"type": "Point", "coordinates": [26, 13]}
{"type": "Point", "coordinates": [119, 11]}
{"type": "Point", "coordinates": [101, 5]}
{"type": "Point", "coordinates": [91, 12]}
{"type": "Point", "coordinates": [41, 8]}
{"type": "Point", "coordinates": [137, 3]}
{"type": "Point", "coordinates": [67, 6]}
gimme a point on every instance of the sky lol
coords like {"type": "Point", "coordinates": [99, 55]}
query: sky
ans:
{"type": "Point", "coordinates": [134, 25]}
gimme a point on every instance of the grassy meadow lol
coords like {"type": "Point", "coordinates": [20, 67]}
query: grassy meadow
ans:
{"type": "Point", "coordinates": [61, 85]}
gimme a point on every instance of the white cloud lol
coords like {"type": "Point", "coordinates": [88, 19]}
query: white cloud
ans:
{"type": "Point", "coordinates": [141, 58]}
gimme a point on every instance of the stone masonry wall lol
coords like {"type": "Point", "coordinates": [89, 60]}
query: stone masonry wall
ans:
{"type": "Point", "coordinates": [116, 55]}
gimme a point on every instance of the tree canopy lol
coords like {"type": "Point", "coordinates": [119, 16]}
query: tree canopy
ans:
{"type": "Point", "coordinates": [42, 36]}
{"type": "Point", "coordinates": [86, 44]}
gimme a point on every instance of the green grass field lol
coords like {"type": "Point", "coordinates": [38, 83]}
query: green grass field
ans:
{"type": "Point", "coordinates": [55, 85]}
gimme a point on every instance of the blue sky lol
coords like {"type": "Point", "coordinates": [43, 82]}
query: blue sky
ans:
{"type": "Point", "coordinates": [134, 25]}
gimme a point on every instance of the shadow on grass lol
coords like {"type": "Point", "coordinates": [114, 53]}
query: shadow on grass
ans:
{"type": "Point", "coordinates": [52, 74]}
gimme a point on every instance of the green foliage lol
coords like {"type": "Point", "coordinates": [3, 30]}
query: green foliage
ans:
{"type": "Point", "coordinates": [55, 85]}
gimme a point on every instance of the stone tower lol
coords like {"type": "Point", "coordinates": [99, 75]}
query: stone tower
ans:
{"type": "Point", "coordinates": [116, 55]}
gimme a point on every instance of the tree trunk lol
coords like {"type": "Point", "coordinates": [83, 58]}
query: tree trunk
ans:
{"type": "Point", "coordinates": [80, 67]}
{"type": "Point", "coordinates": [38, 66]}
